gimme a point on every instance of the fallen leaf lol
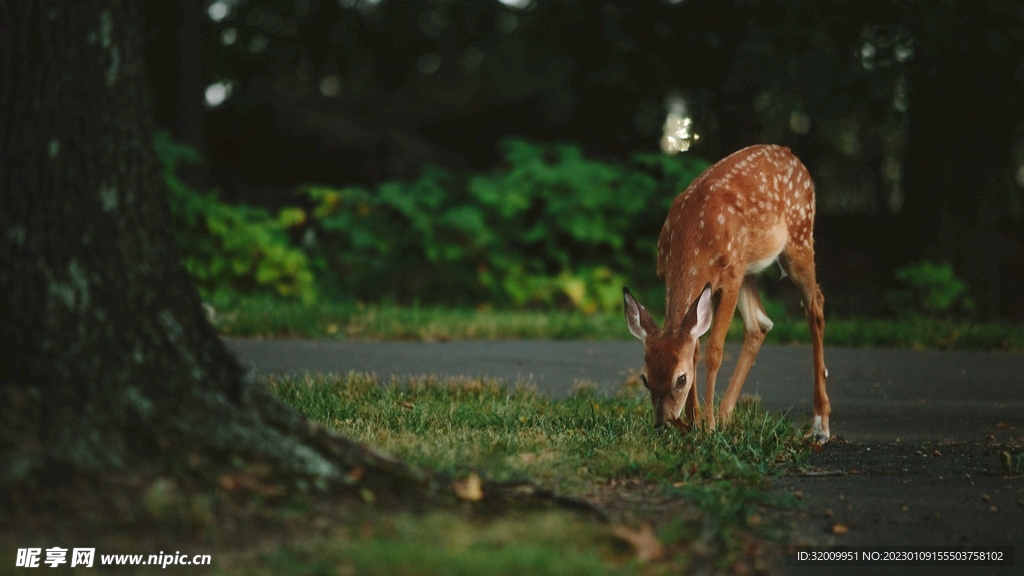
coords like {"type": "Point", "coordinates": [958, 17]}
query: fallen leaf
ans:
{"type": "Point", "coordinates": [356, 474]}
{"type": "Point", "coordinates": [527, 457]}
{"type": "Point", "coordinates": [269, 490]}
{"type": "Point", "coordinates": [643, 541]}
{"type": "Point", "coordinates": [469, 488]}
{"type": "Point", "coordinates": [840, 529]}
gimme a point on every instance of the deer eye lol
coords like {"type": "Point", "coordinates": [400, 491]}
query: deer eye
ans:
{"type": "Point", "coordinates": [681, 381]}
{"type": "Point", "coordinates": [643, 378]}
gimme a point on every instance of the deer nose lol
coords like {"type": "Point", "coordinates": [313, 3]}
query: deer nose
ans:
{"type": "Point", "coordinates": [659, 423]}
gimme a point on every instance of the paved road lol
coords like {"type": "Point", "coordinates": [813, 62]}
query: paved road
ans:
{"type": "Point", "coordinates": [916, 460]}
{"type": "Point", "coordinates": [877, 395]}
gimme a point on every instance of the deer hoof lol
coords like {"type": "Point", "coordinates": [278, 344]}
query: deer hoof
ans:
{"type": "Point", "coordinates": [819, 431]}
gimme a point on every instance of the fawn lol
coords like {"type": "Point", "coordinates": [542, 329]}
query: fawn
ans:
{"type": "Point", "coordinates": [742, 214]}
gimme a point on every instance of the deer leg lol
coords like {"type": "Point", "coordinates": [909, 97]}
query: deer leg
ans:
{"type": "Point", "coordinates": [800, 262]}
{"type": "Point", "coordinates": [755, 325]}
{"type": "Point", "coordinates": [713, 355]}
{"type": "Point", "coordinates": [692, 409]}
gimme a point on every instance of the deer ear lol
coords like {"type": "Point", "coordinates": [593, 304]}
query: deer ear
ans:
{"type": "Point", "coordinates": [698, 317]}
{"type": "Point", "coordinates": [637, 318]}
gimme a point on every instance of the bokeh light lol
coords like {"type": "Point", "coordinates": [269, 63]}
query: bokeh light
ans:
{"type": "Point", "coordinates": [679, 134]}
{"type": "Point", "coordinates": [217, 93]}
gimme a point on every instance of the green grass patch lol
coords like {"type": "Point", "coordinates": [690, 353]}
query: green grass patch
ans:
{"type": "Point", "coordinates": [438, 543]}
{"type": "Point", "coordinates": [275, 319]}
{"type": "Point", "coordinates": [705, 493]}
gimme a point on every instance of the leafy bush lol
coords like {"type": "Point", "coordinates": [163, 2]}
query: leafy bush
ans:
{"type": "Point", "coordinates": [929, 289]}
{"type": "Point", "coordinates": [233, 250]}
{"type": "Point", "coordinates": [550, 227]}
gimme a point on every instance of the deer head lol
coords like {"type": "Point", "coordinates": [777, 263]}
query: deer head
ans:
{"type": "Point", "coordinates": [669, 355]}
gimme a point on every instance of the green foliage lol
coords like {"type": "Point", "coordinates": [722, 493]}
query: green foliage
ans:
{"type": "Point", "coordinates": [550, 227]}
{"type": "Point", "coordinates": [233, 250]}
{"type": "Point", "coordinates": [929, 289]}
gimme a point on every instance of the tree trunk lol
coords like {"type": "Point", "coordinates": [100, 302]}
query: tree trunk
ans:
{"type": "Point", "coordinates": [959, 164]}
{"type": "Point", "coordinates": [107, 359]}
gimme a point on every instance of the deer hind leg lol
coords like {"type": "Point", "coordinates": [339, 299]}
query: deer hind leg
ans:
{"type": "Point", "coordinates": [713, 355]}
{"type": "Point", "coordinates": [799, 260]}
{"type": "Point", "coordinates": [755, 325]}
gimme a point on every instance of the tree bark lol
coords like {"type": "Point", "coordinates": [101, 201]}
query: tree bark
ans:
{"type": "Point", "coordinates": [108, 361]}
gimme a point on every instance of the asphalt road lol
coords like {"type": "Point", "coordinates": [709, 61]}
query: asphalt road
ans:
{"type": "Point", "coordinates": [876, 395]}
{"type": "Point", "coordinates": [917, 434]}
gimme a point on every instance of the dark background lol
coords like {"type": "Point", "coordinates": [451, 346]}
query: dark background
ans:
{"type": "Point", "coordinates": [908, 113]}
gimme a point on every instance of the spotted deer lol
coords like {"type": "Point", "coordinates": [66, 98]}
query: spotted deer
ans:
{"type": "Point", "coordinates": [747, 211]}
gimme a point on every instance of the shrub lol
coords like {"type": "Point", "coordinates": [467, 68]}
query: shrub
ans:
{"type": "Point", "coordinates": [549, 227]}
{"type": "Point", "coordinates": [929, 289]}
{"type": "Point", "coordinates": [232, 251]}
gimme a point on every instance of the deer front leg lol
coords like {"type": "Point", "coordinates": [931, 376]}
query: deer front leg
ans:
{"type": "Point", "coordinates": [755, 325]}
{"type": "Point", "coordinates": [692, 406]}
{"type": "Point", "coordinates": [716, 341]}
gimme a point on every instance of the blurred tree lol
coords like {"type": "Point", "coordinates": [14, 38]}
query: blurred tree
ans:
{"type": "Point", "coordinates": [175, 45]}
{"type": "Point", "coordinates": [107, 361]}
{"type": "Point", "coordinates": [965, 109]}
{"type": "Point", "coordinates": [358, 91]}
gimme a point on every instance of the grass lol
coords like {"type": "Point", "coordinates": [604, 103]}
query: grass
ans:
{"type": "Point", "coordinates": [273, 319]}
{"type": "Point", "coordinates": [704, 493]}
{"type": "Point", "coordinates": [438, 543]}
{"type": "Point", "coordinates": [270, 319]}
